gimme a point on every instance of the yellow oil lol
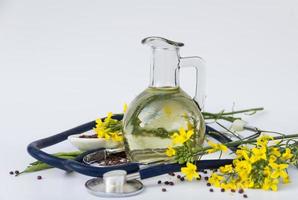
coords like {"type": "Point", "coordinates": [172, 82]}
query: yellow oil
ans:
{"type": "Point", "coordinates": [153, 117]}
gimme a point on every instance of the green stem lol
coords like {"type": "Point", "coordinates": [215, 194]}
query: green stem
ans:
{"type": "Point", "coordinates": [239, 142]}
{"type": "Point", "coordinates": [231, 132]}
{"type": "Point", "coordinates": [217, 116]}
{"type": "Point", "coordinates": [235, 112]}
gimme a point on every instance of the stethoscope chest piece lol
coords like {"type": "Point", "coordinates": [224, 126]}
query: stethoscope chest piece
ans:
{"type": "Point", "coordinates": [114, 184]}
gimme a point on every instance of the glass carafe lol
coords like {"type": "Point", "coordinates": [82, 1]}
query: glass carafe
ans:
{"type": "Point", "coordinates": [163, 108]}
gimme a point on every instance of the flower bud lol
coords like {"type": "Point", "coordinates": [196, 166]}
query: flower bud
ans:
{"type": "Point", "coordinates": [238, 125]}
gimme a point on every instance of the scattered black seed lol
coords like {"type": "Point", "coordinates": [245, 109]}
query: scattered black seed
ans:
{"type": "Point", "coordinates": [215, 170]}
{"type": "Point", "coordinates": [11, 173]}
{"type": "Point", "coordinates": [178, 176]}
{"type": "Point", "coordinates": [206, 178]}
{"type": "Point", "coordinates": [172, 174]}
{"type": "Point", "coordinates": [232, 190]}
{"type": "Point", "coordinates": [164, 189]}
{"type": "Point", "coordinates": [171, 183]}
{"type": "Point", "coordinates": [208, 184]}
{"type": "Point", "coordinates": [199, 177]}
{"type": "Point", "coordinates": [241, 191]}
{"type": "Point", "coordinates": [159, 182]}
{"type": "Point", "coordinates": [205, 172]}
{"type": "Point", "coordinates": [39, 177]}
{"type": "Point", "coordinates": [167, 182]}
{"type": "Point", "coordinates": [245, 196]}
{"type": "Point", "coordinates": [16, 172]}
{"type": "Point", "coordinates": [222, 190]}
{"type": "Point", "coordinates": [211, 190]}
{"type": "Point", "coordinates": [182, 179]}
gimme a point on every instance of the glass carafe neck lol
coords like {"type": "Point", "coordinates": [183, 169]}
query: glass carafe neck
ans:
{"type": "Point", "coordinates": [164, 62]}
{"type": "Point", "coordinates": [164, 71]}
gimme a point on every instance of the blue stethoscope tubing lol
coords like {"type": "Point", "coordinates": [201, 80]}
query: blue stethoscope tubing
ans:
{"type": "Point", "coordinates": [34, 149]}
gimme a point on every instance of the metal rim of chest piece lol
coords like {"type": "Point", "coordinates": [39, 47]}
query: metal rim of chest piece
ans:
{"type": "Point", "coordinates": [98, 187]}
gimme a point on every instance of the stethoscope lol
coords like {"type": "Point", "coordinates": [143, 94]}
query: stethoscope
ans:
{"type": "Point", "coordinates": [119, 183]}
{"type": "Point", "coordinates": [120, 180]}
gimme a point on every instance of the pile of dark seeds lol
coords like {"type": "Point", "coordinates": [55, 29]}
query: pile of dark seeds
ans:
{"type": "Point", "coordinates": [88, 136]}
{"type": "Point", "coordinates": [114, 159]}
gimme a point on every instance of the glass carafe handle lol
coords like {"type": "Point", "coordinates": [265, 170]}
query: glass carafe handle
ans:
{"type": "Point", "coordinates": [199, 65]}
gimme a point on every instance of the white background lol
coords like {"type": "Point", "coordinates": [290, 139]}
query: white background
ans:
{"type": "Point", "coordinates": [66, 62]}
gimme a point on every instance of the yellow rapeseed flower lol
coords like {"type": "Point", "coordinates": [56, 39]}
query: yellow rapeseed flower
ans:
{"type": "Point", "coordinates": [267, 171]}
{"type": "Point", "coordinates": [98, 122]}
{"type": "Point", "coordinates": [247, 183]}
{"type": "Point", "coordinates": [190, 171]}
{"type": "Point", "coordinates": [100, 129]}
{"type": "Point", "coordinates": [258, 154]}
{"type": "Point", "coordinates": [215, 179]}
{"type": "Point", "coordinates": [286, 179]}
{"type": "Point", "coordinates": [263, 140]}
{"type": "Point", "coordinates": [275, 151]}
{"type": "Point", "coordinates": [216, 147]}
{"type": "Point", "coordinates": [107, 136]}
{"type": "Point", "coordinates": [243, 168]}
{"type": "Point", "coordinates": [182, 137]}
{"type": "Point", "coordinates": [272, 158]}
{"type": "Point", "coordinates": [176, 139]}
{"type": "Point", "coordinates": [279, 170]}
{"type": "Point", "coordinates": [109, 117]}
{"type": "Point", "coordinates": [260, 167]}
{"type": "Point", "coordinates": [226, 169]}
{"type": "Point", "coordinates": [100, 133]}
{"type": "Point", "coordinates": [170, 151]}
{"type": "Point", "coordinates": [103, 131]}
{"type": "Point", "coordinates": [287, 155]}
{"type": "Point", "coordinates": [229, 185]}
{"type": "Point", "coordinates": [241, 153]}
{"type": "Point", "coordinates": [116, 137]}
{"type": "Point", "coordinates": [270, 183]}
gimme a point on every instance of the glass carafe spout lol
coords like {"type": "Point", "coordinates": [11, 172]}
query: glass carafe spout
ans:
{"type": "Point", "coordinates": [164, 62]}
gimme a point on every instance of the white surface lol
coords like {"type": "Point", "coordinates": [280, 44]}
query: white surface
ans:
{"type": "Point", "coordinates": [66, 62]}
